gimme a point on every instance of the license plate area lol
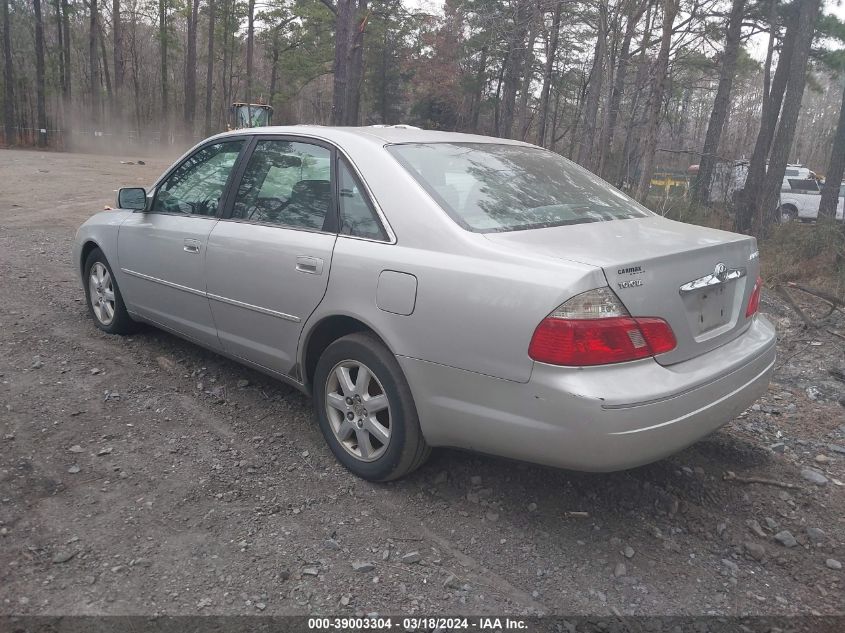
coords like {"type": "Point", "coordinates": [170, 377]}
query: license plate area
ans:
{"type": "Point", "coordinates": [709, 308]}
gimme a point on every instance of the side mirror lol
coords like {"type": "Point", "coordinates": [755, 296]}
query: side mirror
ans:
{"type": "Point", "coordinates": [132, 198]}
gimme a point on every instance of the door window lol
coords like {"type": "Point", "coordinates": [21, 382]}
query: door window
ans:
{"type": "Point", "coordinates": [289, 184]}
{"type": "Point", "coordinates": [357, 216]}
{"type": "Point", "coordinates": [196, 186]}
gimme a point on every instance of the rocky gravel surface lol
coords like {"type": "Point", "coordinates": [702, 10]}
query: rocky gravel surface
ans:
{"type": "Point", "coordinates": [145, 475]}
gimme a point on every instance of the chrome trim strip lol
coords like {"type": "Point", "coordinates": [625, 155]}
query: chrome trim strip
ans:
{"type": "Point", "coordinates": [200, 293]}
{"type": "Point", "coordinates": [254, 308]}
{"type": "Point", "coordinates": [712, 280]}
{"type": "Point", "coordinates": [163, 282]}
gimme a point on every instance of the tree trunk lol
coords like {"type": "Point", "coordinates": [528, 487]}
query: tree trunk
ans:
{"type": "Point", "coordinates": [721, 103]}
{"type": "Point", "coordinates": [769, 115]}
{"type": "Point", "coordinates": [344, 17]}
{"type": "Point", "coordinates": [118, 62]}
{"type": "Point", "coordinates": [209, 69]}
{"type": "Point", "coordinates": [66, 90]}
{"type": "Point", "coordinates": [594, 88]}
{"type": "Point", "coordinates": [93, 70]}
{"type": "Point", "coordinates": [165, 92]}
{"type": "Point", "coordinates": [623, 171]}
{"type": "Point", "coordinates": [835, 168]}
{"type": "Point", "coordinates": [350, 23]}
{"type": "Point", "coordinates": [8, 78]}
{"type": "Point", "coordinates": [548, 71]}
{"type": "Point", "coordinates": [782, 144]}
{"type": "Point", "coordinates": [105, 59]}
{"type": "Point", "coordinates": [41, 106]}
{"type": "Point", "coordinates": [478, 95]}
{"type": "Point", "coordinates": [191, 69]}
{"type": "Point", "coordinates": [611, 115]}
{"type": "Point", "coordinates": [274, 69]}
{"type": "Point", "coordinates": [60, 44]}
{"type": "Point", "coordinates": [670, 10]}
{"type": "Point", "coordinates": [512, 69]}
{"type": "Point", "coordinates": [528, 73]}
{"type": "Point", "coordinates": [225, 96]}
{"type": "Point", "coordinates": [250, 44]}
{"type": "Point", "coordinates": [356, 64]}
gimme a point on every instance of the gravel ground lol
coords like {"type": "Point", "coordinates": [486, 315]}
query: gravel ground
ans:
{"type": "Point", "coordinates": [145, 475]}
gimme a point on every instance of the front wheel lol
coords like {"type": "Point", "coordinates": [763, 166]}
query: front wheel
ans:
{"type": "Point", "coordinates": [105, 303]}
{"type": "Point", "coordinates": [366, 411]}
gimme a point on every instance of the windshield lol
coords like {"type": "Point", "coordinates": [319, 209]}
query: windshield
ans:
{"type": "Point", "coordinates": [487, 187]}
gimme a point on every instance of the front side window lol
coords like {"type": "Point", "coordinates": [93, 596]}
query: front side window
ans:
{"type": "Point", "coordinates": [488, 187]}
{"type": "Point", "coordinates": [196, 186]}
{"type": "Point", "coordinates": [288, 184]}
{"type": "Point", "coordinates": [357, 217]}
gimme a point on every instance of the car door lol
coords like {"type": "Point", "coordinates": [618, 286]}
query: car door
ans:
{"type": "Point", "coordinates": [162, 250]}
{"type": "Point", "coordinates": [268, 259]}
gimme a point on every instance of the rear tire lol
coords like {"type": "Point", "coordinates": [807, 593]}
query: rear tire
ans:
{"type": "Point", "coordinates": [787, 214]}
{"type": "Point", "coordinates": [102, 294]}
{"type": "Point", "coordinates": [366, 411]}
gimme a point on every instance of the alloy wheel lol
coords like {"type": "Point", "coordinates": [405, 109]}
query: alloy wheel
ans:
{"type": "Point", "coordinates": [358, 410]}
{"type": "Point", "coordinates": [101, 291]}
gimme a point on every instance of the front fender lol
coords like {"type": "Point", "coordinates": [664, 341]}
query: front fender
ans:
{"type": "Point", "coordinates": [100, 230]}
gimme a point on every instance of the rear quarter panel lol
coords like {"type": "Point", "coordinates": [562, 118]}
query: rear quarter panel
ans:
{"type": "Point", "coordinates": [474, 311]}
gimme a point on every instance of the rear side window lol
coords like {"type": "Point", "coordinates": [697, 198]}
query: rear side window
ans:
{"type": "Point", "coordinates": [357, 216]}
{"type": "Point", "coordinates": [288, 184]}
{"type": "Point", "coordinates": [488, 187]}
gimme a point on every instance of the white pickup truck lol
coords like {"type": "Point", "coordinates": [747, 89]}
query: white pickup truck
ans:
{"type": "Point", "coordinates": [800, 193]}
{"type": "Point", "coordinates": [800, 196]}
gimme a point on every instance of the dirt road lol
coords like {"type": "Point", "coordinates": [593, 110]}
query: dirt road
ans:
{"type": "Point", "coordinates": [144, 475]}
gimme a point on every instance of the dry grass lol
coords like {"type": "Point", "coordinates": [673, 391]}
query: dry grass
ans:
{"type": "Point", "coordinates": [813, 254]}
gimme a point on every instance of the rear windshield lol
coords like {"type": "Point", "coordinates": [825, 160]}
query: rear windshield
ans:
{"type": "Point", "coordinates": [487, 187]}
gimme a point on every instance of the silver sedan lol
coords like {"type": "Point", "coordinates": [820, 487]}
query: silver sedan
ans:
{"type": "Point", "coordinates": [439, 289]}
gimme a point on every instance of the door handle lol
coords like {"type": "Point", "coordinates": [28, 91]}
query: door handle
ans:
{"type": "Point", "coordinates": [310, 265]}
{"type": "Point", "coordinates": [192, 246]}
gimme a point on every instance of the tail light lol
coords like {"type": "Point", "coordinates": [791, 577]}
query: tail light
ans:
{"type": "Point", "coordinates": [754, 299]}
{"type": "Point", "coordinates": [594, 328]}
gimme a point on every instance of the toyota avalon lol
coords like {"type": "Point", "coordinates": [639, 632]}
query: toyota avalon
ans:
{"type": "Point", "coordinates": [440, 289]}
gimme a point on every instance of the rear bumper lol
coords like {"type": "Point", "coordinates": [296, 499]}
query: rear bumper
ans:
{"type": "Point", "coordinates": [597, 418]}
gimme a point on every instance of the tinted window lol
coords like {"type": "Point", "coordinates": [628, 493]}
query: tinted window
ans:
{"type": "Point", "coordinates": [197, 184]}
{"type": "Point", "coordinates": [286, 183]}
{"type": "Point", "coordinates": [489, 187]}
{"type": "Point", "coordinates": [842, 191]}
{"type": "Point", "coordinates": [357, 217]}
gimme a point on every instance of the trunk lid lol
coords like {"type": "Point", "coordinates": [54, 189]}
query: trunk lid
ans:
{"type": "Point", "coordinates": [698, 279]}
